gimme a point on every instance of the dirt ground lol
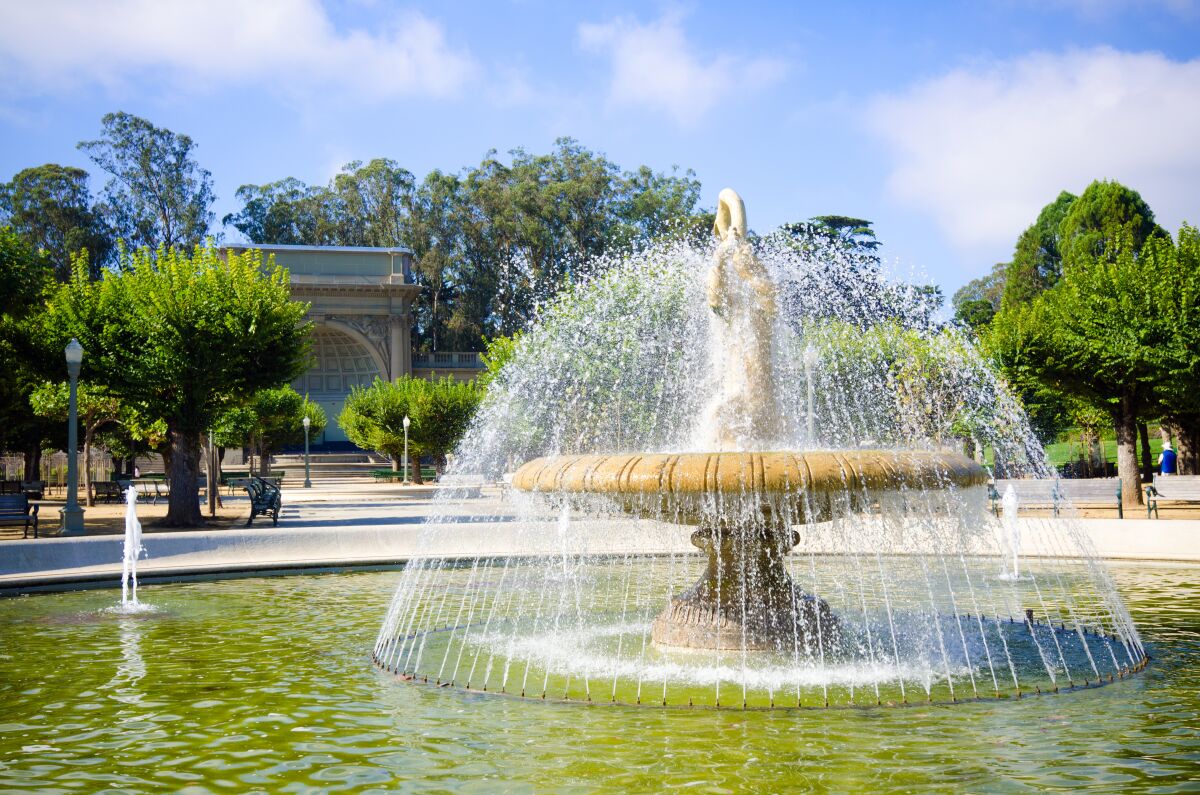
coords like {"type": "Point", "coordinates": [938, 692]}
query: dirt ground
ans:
{"type": "Point", "coordinates": [109, 518]}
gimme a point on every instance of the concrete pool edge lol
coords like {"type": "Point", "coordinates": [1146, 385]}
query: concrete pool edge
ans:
{"type": "Point", "coordinates": [67, 563]}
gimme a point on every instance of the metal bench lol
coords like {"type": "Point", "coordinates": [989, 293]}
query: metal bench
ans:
{"type": "Point", "coordinates": [106, 491]}
{"type": "Point", "coordinates": [17, 509]}
{"type": "Point", "coordinates": [1056, 493]}
{"type": "Point", "coordinates": [1173, 488]}
{"type": "Point", "coordinates": [33, 489]}
{"type": "Point", "coordinates": [264, 496]}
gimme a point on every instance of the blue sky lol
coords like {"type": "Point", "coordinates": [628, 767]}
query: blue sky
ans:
{"type": "Point", "coordinates": [947, 124]}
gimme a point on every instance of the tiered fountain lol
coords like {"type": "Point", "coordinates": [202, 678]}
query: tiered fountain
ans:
{"type": "Point", "coordinates": [893, 541]}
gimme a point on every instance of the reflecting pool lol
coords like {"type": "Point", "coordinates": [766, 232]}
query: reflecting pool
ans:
{"type": "Point", "coordinates": [266, 684]}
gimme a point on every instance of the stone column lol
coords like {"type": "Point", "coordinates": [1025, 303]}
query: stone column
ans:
{"type": "Point", "coordinates": [400, 344]}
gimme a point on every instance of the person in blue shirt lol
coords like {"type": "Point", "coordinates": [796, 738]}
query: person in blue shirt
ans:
{"type": "Point", "coordinates": [1166, 460]}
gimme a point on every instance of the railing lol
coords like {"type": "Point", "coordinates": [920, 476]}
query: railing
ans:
{"type": "Point", "coordinates": [448, 360]}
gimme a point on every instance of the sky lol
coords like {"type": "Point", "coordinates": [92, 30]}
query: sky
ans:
{"type": "Point", "coordinates": [948, 125]}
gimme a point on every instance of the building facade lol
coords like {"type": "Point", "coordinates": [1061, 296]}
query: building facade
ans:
{"type": "Point", "coordinates": [361, 303]}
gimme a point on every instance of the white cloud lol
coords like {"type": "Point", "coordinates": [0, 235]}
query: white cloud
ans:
{"type": "Point", "coordinates": [290, 45]}
{"type": "Point", "coordinates": [654, 66]}
{"type": "Point", "coordinates": [983, 150]}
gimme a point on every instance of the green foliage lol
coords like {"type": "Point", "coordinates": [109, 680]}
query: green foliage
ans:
{"type": "Point", "coordinates": [442, 413]}
{"type": "Point", "coordinates": [158, 194]}
{"type": "Point", "coordinates": [498, 352]}
{"type": "Point", "coordinates": [50, 207]}
{"type": "Point", "coordinates": [373, 417]}
{"type": "Point", "coordinates": [1037, 260]}
{"type": "Point", "coordinates": [181, 337]}
{"type": "Point", "coordinates": [492, 243]}
{"type": "Point", "coordinates": [987, 288]}
{"type": "Point", "coordinates": [439, 412]}
{"type": "Point", "coordinates": [93, 405]}
{"type": "Point", "coordinates": [975, 312]}
{"type": "Point", "coordinates": [26, 274]}
{"type": "Point", "coordinates": [853, 234]}
{"type": "Point", "coordinates": [1106, 220]}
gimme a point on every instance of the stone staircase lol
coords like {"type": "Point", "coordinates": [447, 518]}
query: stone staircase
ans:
{"type": "Point", "coordinates": [329, 467]}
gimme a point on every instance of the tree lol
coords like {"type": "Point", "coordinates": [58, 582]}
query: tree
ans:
{"type": "Point", "coordinates": [1106, 219]}
{"type": "Point", "coordinates": [441, 416]}
{"type": "Point", "coordinates": [50, 207]}
{"type": "Point", "coordinates": [373, 417]}
{"type": "Point", "coordinates": [277, 419]}
{"type": "Point", "coordinates": [27, 275]}
{"type": "Point", "coordinates": [1122, 335]}
{"type": "Point", "coordinates": [286, 212]}
{"type": "Point", "coordinates": [95, 409]}
{"type": "Point", "coordinates": [438, 411]}
{"type": "Point", "coordinates": [181, 336]}
{"type": "Point", "coordinates": [987, 289]}
{"type": "Point", "coordinates": [1037, 260]}
{"type": "Point", "coordinates": [158, 194]}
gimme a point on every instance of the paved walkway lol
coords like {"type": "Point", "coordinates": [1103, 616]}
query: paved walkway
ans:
{"type": "Point", "coordinates": [368, 524]}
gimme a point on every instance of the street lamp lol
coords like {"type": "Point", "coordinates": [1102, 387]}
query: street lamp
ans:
{"type": "Point", "coordinates": [810, 363]}
{"type": "Point", "coordinates": [406, 424]}
{"type": "Point", "coordinates": [307, 480]}
{"type": "Point", "coordinates": [72, 514]}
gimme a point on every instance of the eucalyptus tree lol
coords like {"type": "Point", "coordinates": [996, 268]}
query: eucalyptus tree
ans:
{"type": "Point", "coordinates": [157, 194]}
{"type": "Point", "coordinates": [51, 208]}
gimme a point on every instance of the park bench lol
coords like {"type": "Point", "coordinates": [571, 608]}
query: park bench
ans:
{"type": "Point", "coordinates": [17, 509]}
{"type": "Point", "coordinates": [1173, 488]}
{"type": "Point", "coordinates": [235, 480]}
{"type": "Point", "coordinates": [106, 491]}
{"type": "Point", "coordinates": [265, 498]}
{"type": "Point", "coordinates": [1057, 493]}
{"type": "Point", "coordinates": [33, 489]}
{"type": "Point", "coordinates": [10, 487]}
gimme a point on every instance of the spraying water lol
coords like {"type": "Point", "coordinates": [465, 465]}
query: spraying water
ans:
{"type": "Point", "coordinates": [809, 416]}
{"type": "Point", "coordinates": [1008, 512]}
{"type": "Point", "coordinates": [131, 551]}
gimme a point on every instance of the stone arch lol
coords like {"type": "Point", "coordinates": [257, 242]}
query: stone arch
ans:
{"type": "Point", "coordinates": [371, 348]}
{"type": "Point", "coordinates": [344, 358]}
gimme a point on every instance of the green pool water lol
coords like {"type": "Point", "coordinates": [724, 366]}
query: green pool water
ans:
{"type": "Point", "coordinates": [266, 685]}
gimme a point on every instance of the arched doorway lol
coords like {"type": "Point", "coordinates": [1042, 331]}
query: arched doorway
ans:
{"type": "Point", "coordinates": [340, 363]}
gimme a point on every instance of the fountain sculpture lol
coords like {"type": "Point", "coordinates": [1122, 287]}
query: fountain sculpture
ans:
{"type": "Point", "coordinates": [745, 597]}
{"type": "Point", "coordinates": [844, 547]}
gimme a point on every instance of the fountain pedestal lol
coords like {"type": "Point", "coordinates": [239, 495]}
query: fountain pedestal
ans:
{"type": "Point", "coordinates": [745, 599]}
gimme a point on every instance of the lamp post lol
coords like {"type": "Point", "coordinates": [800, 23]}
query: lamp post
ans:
{"type": "Point", "coordinates": [307, 480]}
{"type": "Point", "coordinates": [406, 424]}
{"type": "Point", "coordinates": [72, 514]}
{"type": "Point", "coordinates": [810, 363]}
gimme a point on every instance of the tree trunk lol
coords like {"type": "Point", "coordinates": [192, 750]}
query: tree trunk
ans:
{"type": "Point", "coordinates": [433, 321]}
{"type": "Point", "coordinates": [1187, 445]}
{"type": "Point", "coordinates": [1125, 425]}
{"type": "Point", "coordinates": [414, 465]}
{"type": "Point", "coordinates": [1147, 461]}
{"type": "Point", "coordinates": [33, 463]}
{"type": "Point", "coordinates": [183, 465]}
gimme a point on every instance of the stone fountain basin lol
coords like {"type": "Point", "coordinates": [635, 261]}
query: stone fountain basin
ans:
{"type": "Point", "coordinates": [685, 487]}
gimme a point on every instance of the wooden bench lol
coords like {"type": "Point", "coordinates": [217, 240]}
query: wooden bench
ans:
{"type": "Point", "coordinates": [265, 498]}
{"type": "Point", "coordinates": [1056, 493]}
{"type": "Point", "coordinates": [17, 509]}
{"type": "Point", "coordinates": [1173, 488]}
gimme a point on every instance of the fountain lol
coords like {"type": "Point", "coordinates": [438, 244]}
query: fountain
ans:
{"type": "Point", "coordinates": [130, 552]}
{"type": "Point", "coordinates": [788, 414]}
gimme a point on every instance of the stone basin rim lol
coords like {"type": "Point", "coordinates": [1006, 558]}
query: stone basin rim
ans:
{"type": "Point", "coordinates": [742, 472]}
